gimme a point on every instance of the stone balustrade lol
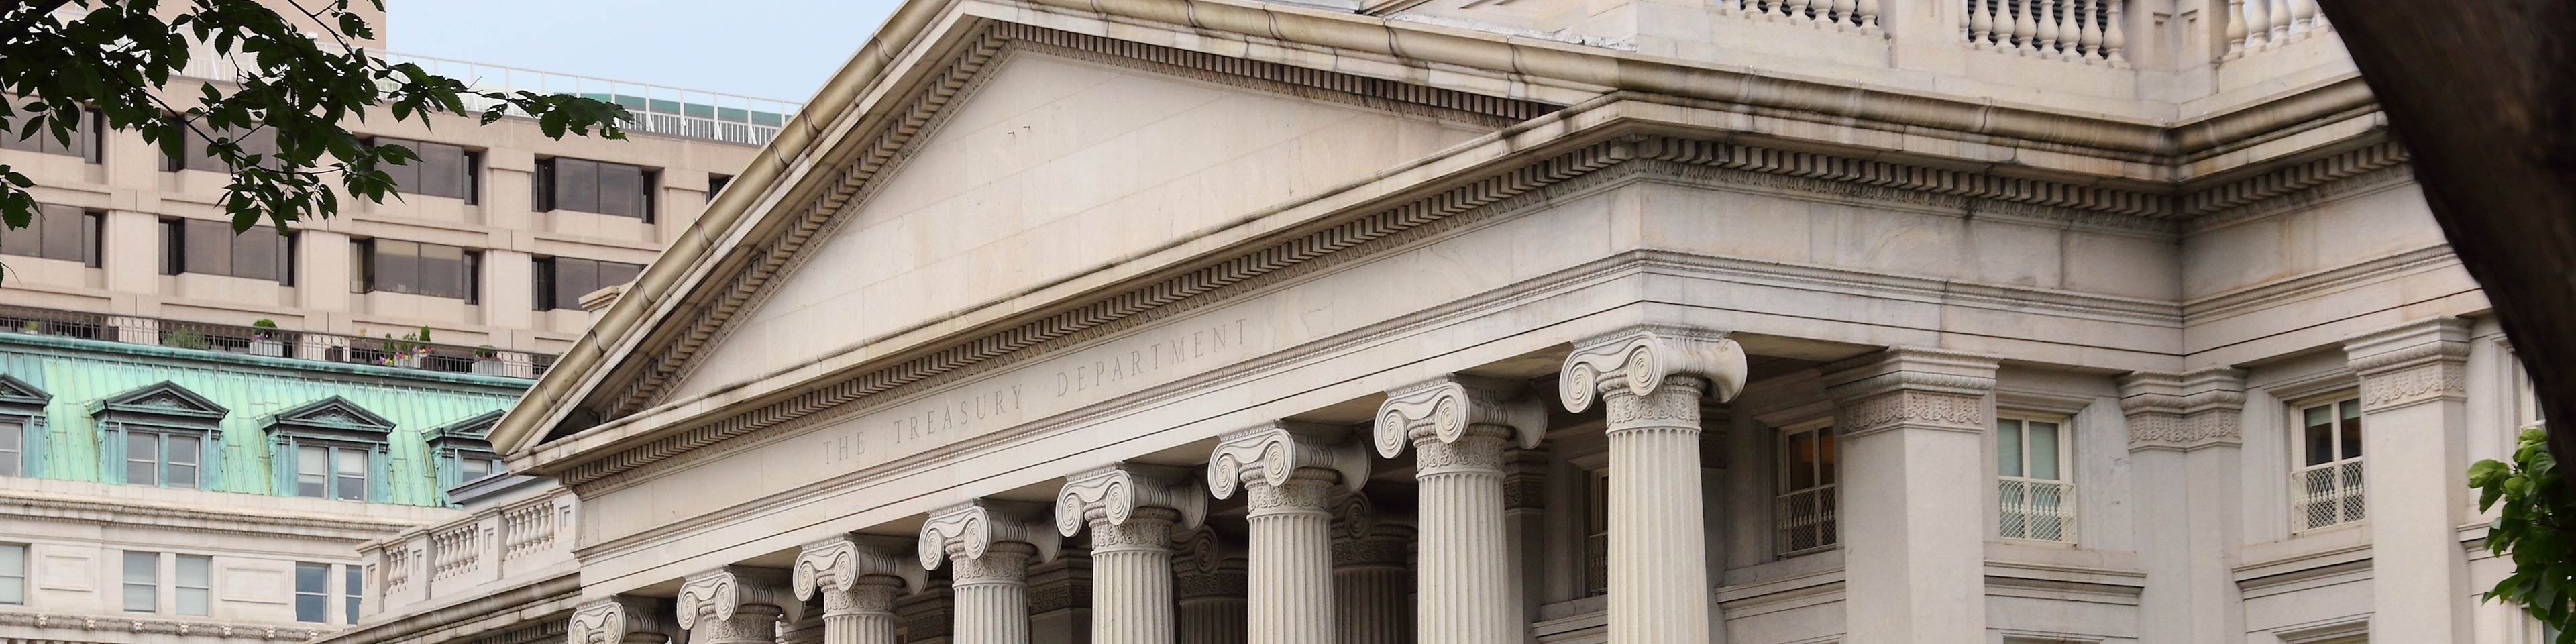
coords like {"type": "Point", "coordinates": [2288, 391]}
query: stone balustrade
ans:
{"type": "Point", "coordinates": [2263, 25]}
{"type": "Point", "coordinates": [2081, 31]}
{"type": "Point", "coordinates": [492, 548]}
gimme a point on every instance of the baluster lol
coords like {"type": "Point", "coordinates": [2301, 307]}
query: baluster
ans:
{"type": "Point", "coordinates": [1868, 16]}
{"type": "Point", "coordinates": [2235, 29]}
{"type": "Point", "coordinates": [1843, 13]}
{"type": "Point", "coordinates": [2022, 27]}
{"type": "Point", "coordinates": [2258, 24]}
{"type": "Point", "coordinates": [1773, 8]}
{"type": "Point", "coordinates": [1981, 24]}
{"type": "Point", "coordinates": [2089, 45]}
{"type": "Point", "coordinates": [1798, 10]}
{"type": "Point", "coordinates": [2280, 32]}
{"type": "Point", "coordinates": [2111, 39]}
{"type": "Point", "coordinates": [2303, 17]}
{"type": "Point", "coordinates": [2048, 17]}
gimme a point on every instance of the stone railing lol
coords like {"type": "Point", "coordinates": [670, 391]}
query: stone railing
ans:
{"type": "Point", "coordinates": [1838, 15]}
{"type": "Point", "coordinates": [2263, 25]}
{"type": "Point", "coordinates": [2079, 31]}
{"type": "Point", "coordinates": [524, 539]}
{"type": "Point", "coordinates": [275, 343]}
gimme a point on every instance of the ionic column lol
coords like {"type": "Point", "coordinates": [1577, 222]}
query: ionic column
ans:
{"type": "Point", "coordinates": [2185, 440]}
{"type": "Point", "coordinates": [1131, 509]}
{"type": "Point", "coordinates": [2414, 425]}
{"type": "Point", "coordinates": [1292, 474]}
{"type": "Point", "coordinates": [1463, 431]}
{"type": "Point", "coordinates": [992, 544]}
{"type": "Point", "coordinates": [1208, 584]}
{"type": "Point", "coordinates": [858, 576]}
{"type": "Point", "coordinates": [1373, 590]}
{"type": "Point", "coordinates": [622, 619]}
{"type": "Point", "coordinates": [734, 605]}
{"type": "Point", "coordinates": [1910, 427]}
{"type": "Point", "coordinates": [1651, 379]}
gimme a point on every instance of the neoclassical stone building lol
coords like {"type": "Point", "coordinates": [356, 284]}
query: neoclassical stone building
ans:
{"type": "Point", "coordinates": [1754, 321]}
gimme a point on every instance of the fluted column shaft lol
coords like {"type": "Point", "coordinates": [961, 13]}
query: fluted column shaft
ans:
{"type": "Point", "coordinates": [1658, 553]}
{"type": "Point", "coordinates": [1372, 598]}
{"type": "Point", "coordinates": [1209, 586]}
{"type": "Point", "coordinates": [863, 615]}
{"type": "Point", "coordinates": [1213, 619]}
{"type": "Point", "coordinates": [992, 595]}
{"type": "Point", "coordinates": [1466, 557]}
{"type": "Point", "coordinates": [1131, 568]}
{"type": "Point", "coordinates": [1291, 594]}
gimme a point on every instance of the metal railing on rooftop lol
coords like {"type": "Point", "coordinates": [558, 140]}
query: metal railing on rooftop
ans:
{"type": "Point", "coordinates": [382, 351]}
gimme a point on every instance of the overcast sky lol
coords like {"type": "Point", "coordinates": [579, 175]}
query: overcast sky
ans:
{"type": "Point", "coordinates": [780, 49]}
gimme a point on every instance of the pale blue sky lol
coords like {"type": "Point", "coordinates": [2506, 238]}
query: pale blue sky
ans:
{"type": "Point", "coordinates": [780, 49]}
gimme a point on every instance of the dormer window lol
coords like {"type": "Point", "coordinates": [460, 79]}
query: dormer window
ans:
{"type": "Point", "coordinates": [330, 449]}
{"type": "Point", "coordinates": [161, 434]}
{"type": "Point", "coordinates": [463, 452]}
{"type": "Point", "coordinates": [22, 428]}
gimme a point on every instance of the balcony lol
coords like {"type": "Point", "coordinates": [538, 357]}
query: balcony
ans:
{"type": "Point", "coordinates": [276, 343]}
{"type": "Point", "coordinates": [519, 531]}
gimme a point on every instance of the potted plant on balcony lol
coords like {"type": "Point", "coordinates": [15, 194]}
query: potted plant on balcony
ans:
{"type": "Point", "coordinates": [32, 327]}
{"type": "Point", "coordinates": [184, 339]}
{"type": "Point", "coordinates": [487, 362]}
{"type": "Point", "coordinates": [264, 339]}
{"type": "Point", "coordinates": [407, 351]}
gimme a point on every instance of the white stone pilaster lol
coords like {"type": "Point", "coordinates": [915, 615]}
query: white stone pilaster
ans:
{"type": "Point", "coordinates": [1208, 585]}
{"type": "Point", "coordinates": [859, 577]}
{"type": "Point", "coordinates": [2184, 441]}
{"type": "Point", "coordinates": [1651, 380]}
{"type": "Point", "coordinates": [1464, 432]}
{"type": "Point", "coordinates": [1373, 588]}
{"type": "Point", "coordinates": [734, 605]}
{"type": "Point", "coordinates": [1291, 474]}
{"type": "Point", "coordinates": [1131, 510]}
{"type": "Point", "coordinates": [1910, 425]}
{"type": "Point", "coordinates": [991, 544]}
{"type": "Point", "coordinates": [2414, 424]}
{"type": "Point", "coordinates": [622, 619]}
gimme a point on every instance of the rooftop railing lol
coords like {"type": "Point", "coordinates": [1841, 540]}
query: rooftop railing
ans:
{"type": "Point", "coordinates": [397, 352]}
{"type": "Point", "coordinates": [656, 109]}
{"type": "Point", "coordinates": [490, 549]}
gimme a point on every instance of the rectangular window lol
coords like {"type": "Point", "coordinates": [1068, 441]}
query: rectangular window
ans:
{"type": "Point", "coordinates": [441, 171]}
{"type": "Point", "coordinates": [331, 472]}
{"type": "Point", "coordinates": [473, 469]}
{"type": "Point", "coordinates": [1596, 533]}
{"type": "Point", "coordinates": [716, 185]}
{"type": "Point", "coordinates": [13, 574]}
{"type": "Point", "coordinates": [312, 592]}
{"type": "Point", "coordinates": [561, 281]}
{"type": "Point", "coordinates": [84, 144]}
{"type": "Point", "coordinates": [210, 248]}
{"type": "Point", "coordinates": [2033, 497]}
{"type": "Point", "coordinates": [257, 141]}
{"type": "Point", "coordinates": [435, 270]}
{"type": "Point", "coordinates": [13, 445]}
{"type": "Point", "coordinates": [352, 589]}
{"type": "Point", "coordinates": [56, 232]}
{"type": "Point", "coordinates": [195, 586]}
{"type": "Point", "coordinates": [594, 186]}
{"type": "Point", "coordinates": [1804, 514]}
{"type": "Point", "coordinates": [349, 474]}
{"type": "Point", "coordinates": [155, 458]}
{"type": "Point", "coordinates": [2326, 478]}
{"type": "Point", "coordinates": [142, 582]}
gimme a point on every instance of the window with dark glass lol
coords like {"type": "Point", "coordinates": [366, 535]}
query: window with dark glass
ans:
{"type": "Point", "coordinates": [441, 171]}
{"type": "Point", "coordinates": [716, 184]}
{"type": "Point", "coordinates": [193, 156]}
{"type": "Point", "coordinates": [561, 281]}
{"type": "Point", "coordinates": [352, 589]}
{"type": "Point", "coordinates": [56, 232]}
{"type": "Point", "coordinates": [210, 248]}
{"type": "Point", "coordinates": [594, 186]}
{"type": "Point", "coordinates": [435, 270]}
{"type": "Point", "coordinates": [312, 592]}
{"type": "Point", "coordinates": [1805, 515]}
{"type": "Point", "coordinates": [85, 141]}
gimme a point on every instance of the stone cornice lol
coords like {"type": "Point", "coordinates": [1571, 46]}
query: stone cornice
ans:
{"type": "Point", "coordinates": [352, 528]}
{"type": "Point", "coordinates": [1911, 387]}
{"type": "Point", "coordinates": [2415, 362]}
{"type": "Point", "coordinates": [2276, 292]}
{"type": "Point", "coordinates": [180, 627]}
{"type": "Point", "coordinates": [2183, 411]}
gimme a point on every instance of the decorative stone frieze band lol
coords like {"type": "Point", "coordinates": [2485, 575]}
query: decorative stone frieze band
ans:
{"type": "Point", "coordinates": [1906, 387]}
{"type": "Point", "coordinates": [2183, 411]}
{"type": "Point", "coordinates": [858, 576]}
{"type": "Point", "coordinates": [2415, 362]}
{"type": "Point", "coordinates": [735, 605]}
{"type": "Point", "coordinates": [622, 619]}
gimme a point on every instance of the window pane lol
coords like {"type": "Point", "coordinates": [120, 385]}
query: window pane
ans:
{"type": "Point", "coordinates": [574, 278]}
{"type": "Point", "coordinates": [397, 266]}
{"type": "Point", "coordinates": [577, 185]}
{"type": "Point", "coordinates": [352, 589]}
{"type": "Point", "coordinates": [1802, 460]}
{"type": "Point", "coordinates": [141, 598]}
{"type": "Point", "coordinates": [143, 458]}
{"type": "Point", "coordinates": [2351, 429]}
{"type": "Point", "coordinates": [255, 254]}
{"type": "Point", "coordinates": [183, 450]}
{"type": "Point", "coordinates": [311, 578]}
{"type": "Point", "coordinates": [207, 248]}
{"type": "Point", "coordinates": [61, 228]}
{"type": "Point", "coordinates": [13, 560]}
{"type": "Point", "coordinates": [2043, 451]}
{"type": "Point", "coordinates": [621, 190]}
{"type": "Point", "coordinates": [406, 177]}
{"type": "Point", "coordinates": [310, 474]}
{"type": "Point", "coordinates": [195, 572]}
{"type": "Point", "coordinates": [192, 601]}
{"type": "Point", "coordinates": [24, 242]}
{"type": "Point", "coordinates": [142, 567]}
{"type": "Point", "coordinates": [11, 450]}
{"type": "Point", "coordinates": [442, 170]}
{"type": "Point", "coordinates": [1826, 459]}
{"type": "Point", "coordinates": [442, 270]}
{"type": "Point", "coordinates": [2320, 435]}
{"type": "Point", "coordinates": [616, 273]}
{"type": "Point", "coordinates": [352, 479]}
{"type": "Point", "coordinates": [308, 608]}
{"type": "Point", "coordinates": [89, 239]}
{"type": "Point", "coordinates": [2008, 447]}
{"type": "Point", "coordinates": [473, 468]}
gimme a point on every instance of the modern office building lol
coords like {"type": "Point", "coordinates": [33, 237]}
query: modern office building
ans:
{"type": "Point", "coordinates": [1631, 321]}
{"type": "Point", "coordinates": [198, 430]}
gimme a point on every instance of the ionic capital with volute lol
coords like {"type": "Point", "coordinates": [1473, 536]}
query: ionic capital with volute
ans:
{"type": "Point", "coordinates": [1115, 495]}
{"type": "Point", "coordinates": [966, 532]}
{"type": "Point", "coordinates": [622, 619]}
{"type": "Point", "coordinates": [1452, 407]}
{"type": "Point", "coordinates": [1639, 360]}
{"type": "Point", "coordinates": [843, 563]}
{"type": "Point", "coordinates": [1911, 387]}
{"type": "Point", "coordinates": [2183, 411]}
{"type": "Point", "coordinates": [1277, 453]}
{"type": "Point", "coordinates": [735, 604]}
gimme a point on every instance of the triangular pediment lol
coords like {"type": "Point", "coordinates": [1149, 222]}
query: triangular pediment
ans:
{"type": "Point", "coordinates": [15, 392]}
{"type": "Point", "coordinates": [163, 398]}
{"type": "Point", "coordinates": [467, 434]}
{"type": "Point", "coordinates": [334, 416]}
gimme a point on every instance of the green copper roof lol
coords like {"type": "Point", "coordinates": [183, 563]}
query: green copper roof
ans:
{"type": "Point", "coordinates": [252, 390]}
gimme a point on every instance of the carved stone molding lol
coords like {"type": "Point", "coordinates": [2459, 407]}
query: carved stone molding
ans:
{"type": "Point", "coordinates": [622, 619]}
{"type": "Point", "coordinates": [1114, 494]}
{"type": "Point", "coordinates": [1202, 566]}
{"type": "Point", "coordinates": [966, 531]}
{"type": "Point", "coordinates": [187, 627]}
{"type": "Point", "coordinates": [839, 562]}
{"type": "Point", "coordinates": [2419, 361]}
{"type": "Point", "coordinates": [729, 592]}
{"type": "Point", "coordinates": [1909, 387]}
{"type": "Point", "coordinates": [1366, 535]}
{"type": "Point", "coordinates": [2183, 411]}
{"type": "Point", "coordinates": [1638, 359]}
{"type": "Point", "coordinates": [1276, 452]}
{"type": "Point", "coordinates": [1442, 409]}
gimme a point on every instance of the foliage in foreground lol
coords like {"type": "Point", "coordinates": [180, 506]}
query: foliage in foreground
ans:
{"type": "Point", "coordinates": [2536, 529]}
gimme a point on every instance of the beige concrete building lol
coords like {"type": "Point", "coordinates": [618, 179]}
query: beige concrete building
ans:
{"type": "Point", "coordinates": [1630, 321]}
{"type": "Point", "coordinates": [174, 471]}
